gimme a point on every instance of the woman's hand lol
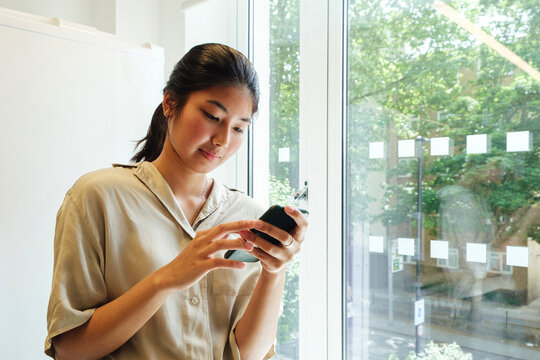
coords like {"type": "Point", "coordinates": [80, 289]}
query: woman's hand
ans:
{"type": "Point", "coordinates": [274, 258]}
{"type": "Point", "coordinates": [197, 258]}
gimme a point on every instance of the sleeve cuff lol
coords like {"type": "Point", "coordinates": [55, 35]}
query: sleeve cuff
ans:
{"type": "Point", "coordinates": [82, 318]}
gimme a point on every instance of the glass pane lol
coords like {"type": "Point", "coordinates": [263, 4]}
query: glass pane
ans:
{"type": "Point", "coordinates": [448, 98]}
{"type": "Point", "coordinates": [277, 60]}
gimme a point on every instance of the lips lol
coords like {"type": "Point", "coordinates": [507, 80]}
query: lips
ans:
{"type": "Point", "coordinates": [210, 155]}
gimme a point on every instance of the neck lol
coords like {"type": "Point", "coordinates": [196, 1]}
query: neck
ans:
{"type": "Point", "coordinates": [182, 181]}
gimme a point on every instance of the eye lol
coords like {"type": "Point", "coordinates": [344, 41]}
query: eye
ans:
{"type": "Point", "coordinates": [210, 116]}
{"type": "Point", "coordinates": [238, 130]}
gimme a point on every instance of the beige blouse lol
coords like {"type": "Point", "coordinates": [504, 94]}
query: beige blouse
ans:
{"type": "Point", "coordinates": [120, 224]}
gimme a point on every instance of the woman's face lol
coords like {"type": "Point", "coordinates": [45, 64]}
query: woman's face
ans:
{"type": "Point", "coordinates": [210, 128]}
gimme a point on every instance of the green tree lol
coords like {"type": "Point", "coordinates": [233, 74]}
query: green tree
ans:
{"type": "Point", "coordinates": [280, 192]}
{"type": "Point", "coordinates": [431, 78]}
{"type": "Point", "coordinates": [284, 87]}
{"type": "Point", "coordinates": [284, 126]}
{"type": "Point", "coordinates": [435, 351]}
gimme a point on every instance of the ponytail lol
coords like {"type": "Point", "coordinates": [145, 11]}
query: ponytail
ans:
{"type": "Point", "coordinates": [155, 137]}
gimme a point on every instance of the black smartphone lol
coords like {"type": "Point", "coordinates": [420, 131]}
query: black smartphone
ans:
{"type": "Point", "coordinates": [276, 216]}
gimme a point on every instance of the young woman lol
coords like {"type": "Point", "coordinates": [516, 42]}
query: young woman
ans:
{"type": "Point", "coordinates": [139, 271]}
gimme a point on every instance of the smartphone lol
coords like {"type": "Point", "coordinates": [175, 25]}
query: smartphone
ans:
{"type": "Point", "coordinates": [276, 216]}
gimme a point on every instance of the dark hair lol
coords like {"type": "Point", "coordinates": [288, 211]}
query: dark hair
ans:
{"type": "Point", "coordinates": [203, 67]}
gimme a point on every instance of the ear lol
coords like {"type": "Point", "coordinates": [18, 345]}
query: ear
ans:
{"type": "Point", "coordinates": [168, 104]}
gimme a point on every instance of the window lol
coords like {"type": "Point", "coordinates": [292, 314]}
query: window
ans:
{"type": "Point", "coordinates": [453, 196]}
{"type": "Point", "coordinates": [276, 136]}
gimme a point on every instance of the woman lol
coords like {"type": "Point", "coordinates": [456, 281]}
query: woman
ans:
{"type": "Point", "coordinates": [139, 271]}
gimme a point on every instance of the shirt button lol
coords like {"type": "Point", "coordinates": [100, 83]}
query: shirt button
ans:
{"type": "Point", "coordinates": [195, 300]}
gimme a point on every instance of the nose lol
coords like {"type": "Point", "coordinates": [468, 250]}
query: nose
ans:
{"type": "Point", "coordinates": [221, 138]}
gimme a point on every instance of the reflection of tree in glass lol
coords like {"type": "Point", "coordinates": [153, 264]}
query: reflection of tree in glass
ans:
{"type": "Point", "coordinates": [437, 80]}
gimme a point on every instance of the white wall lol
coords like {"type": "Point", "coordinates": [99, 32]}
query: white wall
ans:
{"type": "Point", "coordinates": [160, 22]}
{"type": "Point", "coordinates": [175, 25]}
{"type": "Point", "coordinates": [138, 19]}
{"type": "Point", "coordinates": [202, 24]}
{"type": "Point", "coordinates": [71, 101]}
{"type": "Point", "coordinates": [172, 36]}
{"type": "Point", "coordinates": [103, 15]}
{"type": "Point", "coordinates": [79, 11]}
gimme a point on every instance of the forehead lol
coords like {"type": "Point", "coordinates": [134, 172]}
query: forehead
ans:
{"type": "Point", "coordinates": [235, 101]}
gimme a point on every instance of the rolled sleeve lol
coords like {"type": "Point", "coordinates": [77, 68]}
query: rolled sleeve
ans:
{"type": "Point", "coordinates": [78, 285]}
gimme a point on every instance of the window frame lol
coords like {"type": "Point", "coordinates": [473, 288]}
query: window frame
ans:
{"type": "Point", "coordinates": [322, 89]}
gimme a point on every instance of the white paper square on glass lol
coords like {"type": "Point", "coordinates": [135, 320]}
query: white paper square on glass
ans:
{"type": "Point", "coordinates": [518, 141]}
{"type": "Point", "coordinates": [376, 150]}
{"type": "Point", "coordinates": [406, 148]}
{"type": "Point", "coordinates": [517, 256]}
{"type": "Point", "coordinates": [477, 144]}
{"type": "Point", "coordinates": [439, 249]}
{"type": "Point", "coordinates": [442, 146]}
{"type": "Point", "coordinates": [284, 154]}
{"type": "Point", "coordinates": [476, 252]}
{"type": "Point", "coordinates": [376, 244]}
{"type": "Point", "coordinates": [405, 246]}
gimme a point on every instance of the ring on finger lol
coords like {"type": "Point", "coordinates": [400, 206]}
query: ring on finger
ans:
{"type": "Point", "coordinates": [290, 242]}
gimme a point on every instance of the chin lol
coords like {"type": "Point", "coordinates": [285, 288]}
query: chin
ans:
{"type": "Point", "coordinates": [207, 169]}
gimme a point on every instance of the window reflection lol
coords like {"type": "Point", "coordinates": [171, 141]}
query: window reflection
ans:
{"type": "Point", "coordinates": [414, 72]}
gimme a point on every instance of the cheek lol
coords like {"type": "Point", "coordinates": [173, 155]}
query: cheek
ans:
{"type": "Point", "coordinates": [235, 144]}
{"type": "Point", "coordinates": [191, 133]}
{"type": "Point", "coordinates": [198, 134]}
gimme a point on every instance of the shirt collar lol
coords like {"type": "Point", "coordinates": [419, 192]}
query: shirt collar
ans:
{"type": "Point", "coordinates": [152, 178]}
{"type": "Point", "coordinates": [218, 196]}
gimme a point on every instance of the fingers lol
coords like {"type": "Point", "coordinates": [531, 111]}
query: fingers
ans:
{"type": "Point", "coordinates": [282, 253]}
{"type": "Point", "coordinates": [280, 235]}
{"type": "Point", "coordinates": [222, 230]}
{"type": "Point", "coordinates": [301, 222]}
{"type": "Point", "coordinates": [221, 263]}
{"type": "Point", "coordinates": [267, 259]}
{"type": "Point", "coordinates": [285, 238]}
{"type": "Point", "coordinates": [228, 244]}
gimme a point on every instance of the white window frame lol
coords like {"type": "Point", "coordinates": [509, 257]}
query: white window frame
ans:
{"type": "Point", "coordinates": [322, 86]}
{"type": "Point", "coordinates": [321, 155]}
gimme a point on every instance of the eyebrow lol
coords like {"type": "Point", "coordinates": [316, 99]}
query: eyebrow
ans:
{"type": "Point", "coordinates": [222, 107]}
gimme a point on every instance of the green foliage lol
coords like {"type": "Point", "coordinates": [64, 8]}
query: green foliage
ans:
{"type": "Point", "coordinates": [429, 77]}
{"type": "Point", "coordinates": [284, 87]}
{"type": "Point", "coordinates": [435, 351]}
{"type": "Point", "coordinates": [288, 322]}
{"type": "Point", "coordinates": [284, 133]}
{"type": "Point", "coordinates": [280, 192]}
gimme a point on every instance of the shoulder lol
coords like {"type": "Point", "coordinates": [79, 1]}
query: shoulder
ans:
{"type": "Point", "coordinates": [103, 182]}
{"type": "Point", "coordinates": [242, 203]}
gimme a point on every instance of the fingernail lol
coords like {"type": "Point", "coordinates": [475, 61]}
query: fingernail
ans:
{"type": "Point", "coordinates": [289, 209]}
{"type": "Point", "coordinates": [258, 224]}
